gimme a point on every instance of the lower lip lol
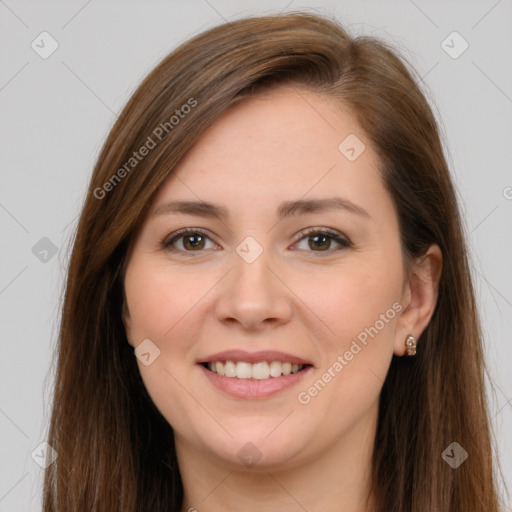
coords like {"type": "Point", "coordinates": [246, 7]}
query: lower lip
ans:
{"type": "Point", "coordinates": [251, 388]}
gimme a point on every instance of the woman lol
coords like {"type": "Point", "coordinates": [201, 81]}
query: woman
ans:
{"type": "Point", "coordinates": [269, 304]}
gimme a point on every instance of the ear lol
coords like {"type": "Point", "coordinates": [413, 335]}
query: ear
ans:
{"type": "Point", "coordinates": [419, 297]}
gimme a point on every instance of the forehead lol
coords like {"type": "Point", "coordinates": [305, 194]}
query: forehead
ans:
{"type": "Point", "coordinates": [287, 143]}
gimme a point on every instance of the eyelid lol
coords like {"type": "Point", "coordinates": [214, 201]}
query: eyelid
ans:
{"type": "Point", "coordinates": [176, 235]}
{"type": "Point", "coordinates": [335, 235]}
{"type": "Point", "coordinates": [341, 239]}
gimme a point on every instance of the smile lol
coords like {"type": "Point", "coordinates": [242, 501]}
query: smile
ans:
{"type": "Point", "coordinates": [258, 371]}
{"type": "Point", "coordinates": [260, 384]}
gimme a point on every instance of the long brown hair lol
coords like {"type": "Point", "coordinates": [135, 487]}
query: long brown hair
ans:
{"type": "Point", "coordinates": [116, 451]}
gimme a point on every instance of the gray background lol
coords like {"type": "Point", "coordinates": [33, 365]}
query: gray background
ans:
{"type": "Point", "coordinates": [57, 111]}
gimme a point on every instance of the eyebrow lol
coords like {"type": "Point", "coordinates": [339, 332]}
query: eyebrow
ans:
{"type": "Point", "coordinates": [285, 209]}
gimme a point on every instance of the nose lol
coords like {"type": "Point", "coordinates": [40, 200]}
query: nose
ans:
{"type": "Point", "coordinates": [254, 295]}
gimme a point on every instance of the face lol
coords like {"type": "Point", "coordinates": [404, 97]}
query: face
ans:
{"type": "Point", "coordinates": [265, 331]}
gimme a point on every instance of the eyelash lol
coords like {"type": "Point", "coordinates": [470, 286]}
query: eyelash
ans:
{"type": "Point", "coordinates": [330, 233]}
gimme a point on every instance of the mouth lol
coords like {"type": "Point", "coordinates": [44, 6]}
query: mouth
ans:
{"type": "Point", "coordinates": [252, 375]}
{"type": "Point", "coordinates": [261, 370]}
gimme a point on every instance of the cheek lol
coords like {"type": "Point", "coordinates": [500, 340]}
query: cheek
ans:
{"type": "Point", "coordinates": [161, 303]}
{"type": "Point", "coordinates": [360, 309]}
{"type": "Point", "coordinates": [353, 299]}
{"type": "Point", "coordinates": [159, 300]}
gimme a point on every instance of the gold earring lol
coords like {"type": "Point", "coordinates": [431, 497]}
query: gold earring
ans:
{"type": "Point", "coordinates": [410, 343]}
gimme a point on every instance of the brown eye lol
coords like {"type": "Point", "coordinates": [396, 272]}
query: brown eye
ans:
{"type": "Point", "coordinates": [322, 240]}
{"type": "Point", "coordinates": [319, 242]}
{"type": "Point", "coordinates": [193, 241]}
{"type": "Point", "coordinates": [189, 240]}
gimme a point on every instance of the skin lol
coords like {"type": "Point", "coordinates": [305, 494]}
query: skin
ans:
{"type": "Point", "coordinates": [296, 298]}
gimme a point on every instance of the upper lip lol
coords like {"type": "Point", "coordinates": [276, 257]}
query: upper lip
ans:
{"type": "Point", "coordinates": [254, 357]}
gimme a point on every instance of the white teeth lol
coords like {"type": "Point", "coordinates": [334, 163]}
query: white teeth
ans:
{"type": "Point", "coordinates": [243, 370]}
{"type": "Point", "coordinates": [275, 369]}
{"type": "Point", "coordinates": [259, 371]}
{"type": "Point", "coordinates": [229, 369]}
{"type": "Point", "coordinates": [219, 367]}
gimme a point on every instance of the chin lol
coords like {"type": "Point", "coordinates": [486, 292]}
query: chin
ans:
{"type": "Point", "coordinates": [256, 449]}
